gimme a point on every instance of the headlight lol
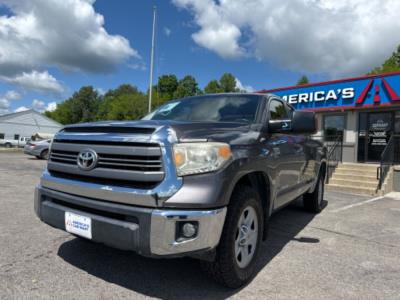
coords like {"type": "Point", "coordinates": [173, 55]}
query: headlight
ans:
{"type": "Point", "coordinates": [195, 158]}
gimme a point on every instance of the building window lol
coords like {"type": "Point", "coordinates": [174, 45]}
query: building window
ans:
{"type": "Point", "coordinates": [334, 126]}
{"type": "Point", "coordinates": [2, 135]}
{"type": "Point", "coordinates": [16, 136]}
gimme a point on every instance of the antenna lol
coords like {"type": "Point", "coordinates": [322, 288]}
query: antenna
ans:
{"type": "Point", "coordinates": [152, 57]}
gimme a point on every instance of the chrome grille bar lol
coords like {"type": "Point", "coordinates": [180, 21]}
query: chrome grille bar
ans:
{"type": "Point", "coordinates": [139, 162]}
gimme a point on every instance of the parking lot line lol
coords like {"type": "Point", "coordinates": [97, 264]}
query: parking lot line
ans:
{"type": "Point", "coordinates": [357, 204]}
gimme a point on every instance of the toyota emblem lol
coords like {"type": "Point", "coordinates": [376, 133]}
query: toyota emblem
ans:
{"type": "Point", "coordinates": [87, 159]}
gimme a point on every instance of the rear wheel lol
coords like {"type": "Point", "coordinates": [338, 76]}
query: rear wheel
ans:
{"type": "Point", "coordinates": [237, 252]}
{"type": "Point", "coordinates": [313, 201]}
{"type": "Point", "coordinates": [7, 145]}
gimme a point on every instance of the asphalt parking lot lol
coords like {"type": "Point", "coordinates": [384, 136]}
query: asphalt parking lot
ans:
{"type": "Point", "coordinates": [349, 251]}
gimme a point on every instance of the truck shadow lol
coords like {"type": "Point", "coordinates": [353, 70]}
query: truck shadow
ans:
{"type": "Point", "coordinates": [178, 278]}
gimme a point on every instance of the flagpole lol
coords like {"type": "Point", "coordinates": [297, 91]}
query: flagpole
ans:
{"type": "Point", "coordinates": [152, 58]}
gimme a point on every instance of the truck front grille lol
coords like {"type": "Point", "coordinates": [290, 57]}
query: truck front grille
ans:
{"type": "Point", "coordinates": [112, 161]}
{"type": "Point", "coordinates": [139, 163]}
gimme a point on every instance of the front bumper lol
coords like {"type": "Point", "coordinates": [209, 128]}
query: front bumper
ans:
{"type": "Point", "coordinates": [147, 231]}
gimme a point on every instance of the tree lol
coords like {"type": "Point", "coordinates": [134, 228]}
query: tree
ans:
{"type": "Point", "coordinates": [390, 65]}
{"type": "Point", "coordinates": [63, 112]}
{"type": "Point", "coordinates": [213, 87]}
{"type": "Point", "coordinates": [123, 103]}
{"type": "Point", "coordinates": [228, 83]}
{"type": "Point", "coordinates": [123, 89]}
{"type": "Point", "coordinates": [127, 107]}
{"type": "Point", "coordinates": [85, 103]}
{"type": "Point", "coordinates": [81, 107]}
{"type": "Point", "coordinates": [166, 87]}
{"type": "Point", "coordinates": [187, 87]}
{"type": "Point", "coordinates": [303, 80]}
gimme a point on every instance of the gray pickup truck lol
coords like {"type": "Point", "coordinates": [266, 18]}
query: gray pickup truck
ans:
{"type": "Point", "coordinates": [197, 177]}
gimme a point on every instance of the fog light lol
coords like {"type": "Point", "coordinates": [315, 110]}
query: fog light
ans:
{"type": "Point", "coordinates": [189, 230]}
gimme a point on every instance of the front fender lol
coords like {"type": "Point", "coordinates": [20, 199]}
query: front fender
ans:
{"type": "Point", "coordinates": [213, 190]}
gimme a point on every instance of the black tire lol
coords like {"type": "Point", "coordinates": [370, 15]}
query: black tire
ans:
{"type": "Point", "coordinates": [225, 269]}
{"type": "Point", "coordinates": [313, 201]}
{"type": "Point", "coordinates": [8, 145]}
{"type": "Point", "coordinates": [44, 154]}
{"type": "Point", "coordinates": [38, 157]}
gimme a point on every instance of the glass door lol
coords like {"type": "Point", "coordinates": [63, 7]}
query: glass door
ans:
{"type": "Point", "coordinates": [374, 132]}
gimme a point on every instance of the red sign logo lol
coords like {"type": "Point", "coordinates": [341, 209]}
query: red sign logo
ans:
{"type": "Point", "coordinates": [377, 98]}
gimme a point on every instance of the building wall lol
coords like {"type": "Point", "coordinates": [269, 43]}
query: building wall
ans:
{"type": "Point", "coordinates": [26, 124]}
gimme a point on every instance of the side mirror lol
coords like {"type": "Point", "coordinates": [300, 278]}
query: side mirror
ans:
{"type": "Point", "coordinates": [304, 122]}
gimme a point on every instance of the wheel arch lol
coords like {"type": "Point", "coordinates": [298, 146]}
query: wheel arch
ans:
{"type": "Point", "coordinates": [261, 182]}
{"type": "Point", "coordinates": [322, 171]}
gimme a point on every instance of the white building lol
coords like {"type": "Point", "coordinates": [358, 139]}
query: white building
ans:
{"type": "Point", "coordinates": [26, 124]}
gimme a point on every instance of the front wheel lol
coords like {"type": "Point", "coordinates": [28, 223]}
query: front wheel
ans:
{"type": "Point", "coordinates": [237, 252]}
{"type": "Point", "coordinates": [313, 201]}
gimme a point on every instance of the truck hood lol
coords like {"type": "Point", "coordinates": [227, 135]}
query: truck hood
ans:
{"type": "Point", "coordinates": [233, 133]}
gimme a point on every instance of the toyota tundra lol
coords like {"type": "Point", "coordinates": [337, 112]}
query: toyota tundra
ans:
{"type": "Point", "coordinates": [197, 177]}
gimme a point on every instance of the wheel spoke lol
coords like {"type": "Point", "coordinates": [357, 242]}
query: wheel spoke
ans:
{"type": "Point", "coordinates": [250, 218]}
{"type": "Point", "coordinates": [246, 255]}
{"type": "Point", "coordinates": [252, 239]}
{"type": "Point", "coordinates": [246, 237]}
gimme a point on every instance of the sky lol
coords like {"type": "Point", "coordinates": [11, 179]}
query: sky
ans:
{"type": "Point", "coordinates": [51, 48]}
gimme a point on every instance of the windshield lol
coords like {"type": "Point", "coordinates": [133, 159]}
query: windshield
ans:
{"type": "Point", "coordinates": [227, 108]}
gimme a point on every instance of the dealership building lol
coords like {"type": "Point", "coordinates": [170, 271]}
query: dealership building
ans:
{"type": "Point", "coordinates": [365, 111]}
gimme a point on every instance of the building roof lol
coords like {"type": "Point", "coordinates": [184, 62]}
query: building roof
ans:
{"type": "Point", "coordinates": [329, 82]}
{"type": "Point", "coordinates": [7, 117]}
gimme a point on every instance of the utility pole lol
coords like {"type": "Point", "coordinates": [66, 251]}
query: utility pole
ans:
{"type": "Point", "coordinates": [152, 58]}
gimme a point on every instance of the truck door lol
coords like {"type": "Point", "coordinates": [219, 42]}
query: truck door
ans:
{"type": "Point", "coordinates": [287, 153]}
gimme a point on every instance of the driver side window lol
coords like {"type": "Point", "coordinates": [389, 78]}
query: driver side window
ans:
{"type": "Point", "coordinates": [277, 110]}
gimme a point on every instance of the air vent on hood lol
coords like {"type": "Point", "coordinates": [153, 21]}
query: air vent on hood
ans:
{"type": "Point", "coordinates": [111, 129]}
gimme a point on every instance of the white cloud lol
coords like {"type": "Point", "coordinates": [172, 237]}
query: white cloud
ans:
{"type": "Point", "coordinates": [240, 86]}
{"type": "Point", "coordinates": [167, 31]}
{"type": "Point", "coordinates": [41, 106]}
{"type": "Point", "coordinates": [6, 99]}
{"type": "Point", "coordinates": [51, 106]}
{"type": "Point", "coordinates": [21, 108]}
{"type": "Point", "coordinates": [4, 103]}
{"type": "Point", "coordinates": [66, 34]}
{"type": "Point", "coordinates": [12, 95]}
{"type": "Point", "coordinates": [318, 36]}
{"type": "Point", "coordinates": [138, 66]}
{"type": "Point", "coordinates": [37, 81]}
{"type": "Point", "coordinates": [38, 105]}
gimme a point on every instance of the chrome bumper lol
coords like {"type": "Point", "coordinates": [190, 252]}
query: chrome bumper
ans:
{"type": "Point", "coordinates": [163, 230]}
{"type": "Point", "coordinates": [148, 231]}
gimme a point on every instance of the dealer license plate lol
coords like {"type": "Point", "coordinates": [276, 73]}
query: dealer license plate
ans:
{"type": "Point", "coordinates": [77, 224]}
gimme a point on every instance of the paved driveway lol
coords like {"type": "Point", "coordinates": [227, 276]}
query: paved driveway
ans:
{"type": "Point", "coordinates": [350, 251]}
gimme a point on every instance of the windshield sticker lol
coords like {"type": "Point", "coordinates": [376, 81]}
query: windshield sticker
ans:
{"type": "Point", "coordinates": [166, 109]}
